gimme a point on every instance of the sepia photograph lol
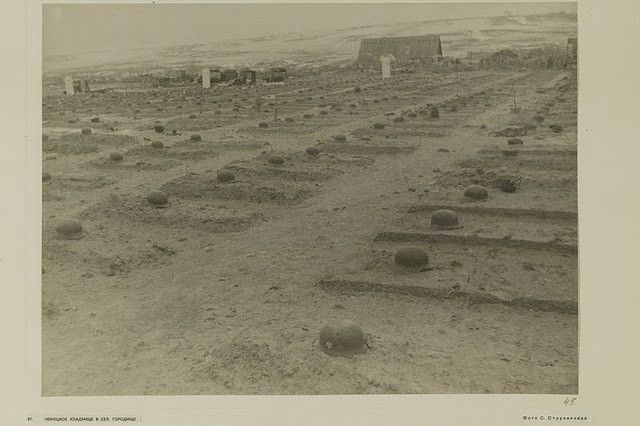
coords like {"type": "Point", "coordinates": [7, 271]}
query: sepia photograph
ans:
{"type": "Point", "coordinates": [309, 199]}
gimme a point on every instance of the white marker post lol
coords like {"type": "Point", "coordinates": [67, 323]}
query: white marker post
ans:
{"type": "Point", "coordinates": [206, 78]}
{"type": "Point", "coordinates": [68, 85]}
{"type": "Point", "coordinates": [386, 66]}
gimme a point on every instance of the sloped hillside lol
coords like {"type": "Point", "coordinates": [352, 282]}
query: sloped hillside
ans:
{"type": "Point", "coordinates": [459, 36]}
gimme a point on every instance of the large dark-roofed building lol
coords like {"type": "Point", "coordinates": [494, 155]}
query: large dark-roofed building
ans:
{"type": "Point", "coordinates": [403, 49]}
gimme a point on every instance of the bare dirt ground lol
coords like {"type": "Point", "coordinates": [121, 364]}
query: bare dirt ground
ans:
{"type": "Point", "coordinates": [225, 290]}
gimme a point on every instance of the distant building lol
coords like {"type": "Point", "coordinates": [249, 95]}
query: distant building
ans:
{"type": "Point", "coordinates": [71, 86]}
{"type": "Point", "coordinates": [404, 49]}
{"type": "Point", "coordinates": [247, 75]}
{"type": "Point", "coordinates": [216, 75]}
{"type": "Point", "coordinates": [504, 59]}
{"type": "Point", "coordinates": [277, 75]}
{"type": "Point", "coordinates": [229, 75]}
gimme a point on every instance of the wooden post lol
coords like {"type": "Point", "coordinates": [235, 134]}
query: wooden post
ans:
{"type": "Point", "coordinates": [68, 85]}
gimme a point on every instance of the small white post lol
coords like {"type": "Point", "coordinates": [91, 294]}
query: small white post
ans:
{"type": "Point", "coordinates": [206, 78]}
{"type": "Point", "coordinates": [386, 66]}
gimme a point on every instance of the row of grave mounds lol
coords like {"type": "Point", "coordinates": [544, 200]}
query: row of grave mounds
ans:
{"type": "Point", "coordinates": [189, 150]}
{"type": "Point", "coordinates": [539, 184]}
{"type": "Point", "coordinates": [78, 143]}
{"type": "Point", "coordinates": [520, 163]}
{"type": "Point", "coordinates": [90, 262]}
{"type": "Point", "coordinates": [131, 163]}
{"type": "Point", "coordinates": [365, 148]}
{"type": "Point", "coordinates": [75, 182]}
{"type": "Point", "coordinates": [536, 225]}
{"type": "Point", "coordinates": [532, 150]}
{"type": "Point", "coordinates": [359, 143]}
{"type": "Point", "coordinates": [182, 212]}
{"type": "Point", "coordinates": [250, 171]}
{"type": "Point", "coordinates": [206, 186]}
{"type": "Point", "coordinates": [537, 192]}
{"type": "Point", "coordinates": [292, 125]}
{"type": "Point", "coordinates": [101, 139]}
{"type": "Point", "coordinates": [65, 119]}
{"type": "Point", "coordinates": [324, 162]}
{"type": "Point", "coordinates": [184, 150]}
{"type": "Point", "coordinates": [382, 130]}
{"type": "Point", "coordinates": [557, 107]}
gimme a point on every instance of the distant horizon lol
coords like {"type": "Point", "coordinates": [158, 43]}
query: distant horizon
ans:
{"type": "Point", "coordinates": [72, 29]}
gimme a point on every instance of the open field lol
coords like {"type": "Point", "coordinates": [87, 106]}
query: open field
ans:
{"type": "Point", "coordinates": [225, 289]}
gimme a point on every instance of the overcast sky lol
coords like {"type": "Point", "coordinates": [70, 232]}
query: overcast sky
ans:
{"type": "Point", "coordinates": [74, 28]}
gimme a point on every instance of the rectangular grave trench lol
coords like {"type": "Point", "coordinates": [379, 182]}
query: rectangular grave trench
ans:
{"type": "Point", "coordinates": [527, 303]}
{"type": "Point", "coordinates": [505, 273]}
{"type": "Point", "coordinates": [473, 240]}
{"type": "Point", "coordinates": [205, 186]}
{"type": "Point", "coordinates": [524, 227]}
{"type": "Point", "coordinates": [190, 215]}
